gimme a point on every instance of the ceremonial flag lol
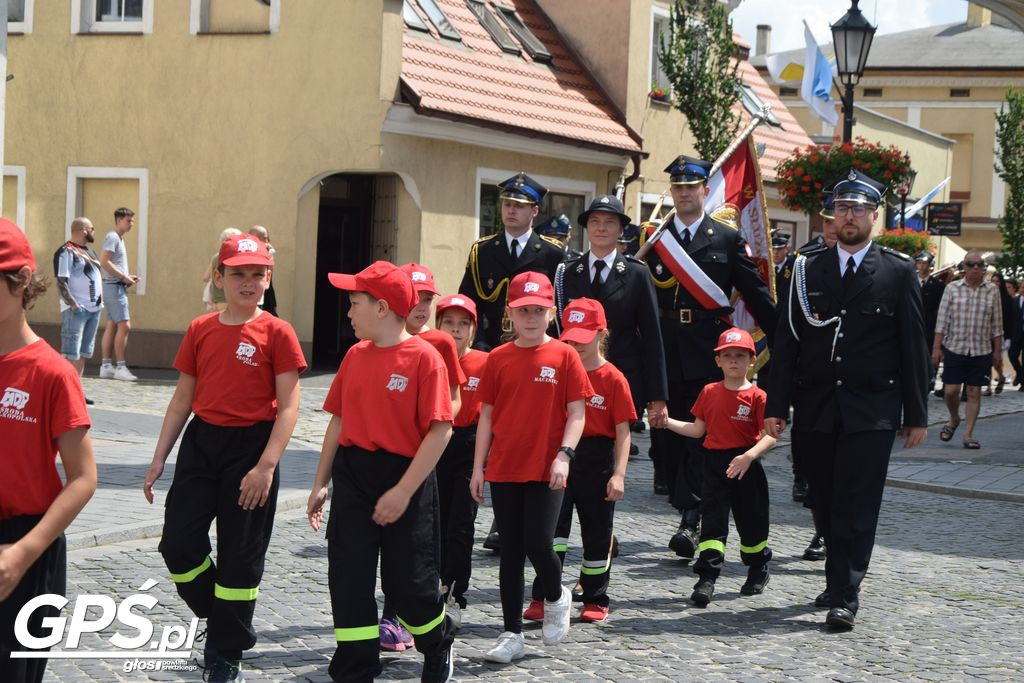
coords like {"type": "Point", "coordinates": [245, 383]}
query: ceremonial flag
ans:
{"type": "Point", "coordinates": [816, 86]}
{"type": "Point", "coordinates": [784, 69]}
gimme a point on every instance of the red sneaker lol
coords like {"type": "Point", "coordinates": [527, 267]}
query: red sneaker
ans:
{"type": "Point", "coordinates": [535, 612]}
{"type": "Point", "coordinates": [593, 613]}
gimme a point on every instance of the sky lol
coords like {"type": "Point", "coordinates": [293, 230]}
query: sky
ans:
{"type": "Point", "coordinates": [887, 15]}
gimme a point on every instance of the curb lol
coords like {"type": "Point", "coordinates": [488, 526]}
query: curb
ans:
{"type": "Point", "coordinates": [960, 492]}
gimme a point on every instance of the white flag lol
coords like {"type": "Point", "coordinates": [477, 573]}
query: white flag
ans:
{"type": "Point", "coordinates": [817, 81]}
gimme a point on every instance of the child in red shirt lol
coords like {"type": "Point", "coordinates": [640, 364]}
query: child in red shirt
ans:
{"type": "Point", "coordinates": [597, 474]}
{"type": "Point", "coordinates": [42, 413]}
{"type": "Point", "coordinates": [731, 413]}
{"type": "Point", "coordinates": [239, 375]}
{"type": "Point", "coordinates": [531, 419]}
{"type": "Point", "coordinates": [391, 419]}
{"type": "Point", "coordinates": [456, 317]}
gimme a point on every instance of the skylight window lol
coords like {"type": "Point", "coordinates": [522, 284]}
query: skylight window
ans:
{"type": "Point", "coordinates": [537, 51]}
{"type": "Point", "coordinates": [439, 20]}
{"type": "Point", "coordinates": [412, 19]}
{"type": "Point", "coordinates": [494, 27]}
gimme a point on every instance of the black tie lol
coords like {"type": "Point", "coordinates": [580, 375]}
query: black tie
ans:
{"type": "Point", "coordinates": [848, 273]}
{"type": "Point", "coordinates": [596, 284]}
{"type": "Point", "coordinates": [515, 249]}
{"type": "Point", "coordinates": [686, 238]}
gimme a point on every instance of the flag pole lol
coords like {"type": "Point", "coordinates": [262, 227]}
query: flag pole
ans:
{"type": "Point", "coordinates": [758, 118]}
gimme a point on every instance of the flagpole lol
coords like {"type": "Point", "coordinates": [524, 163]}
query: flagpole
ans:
{"type": "Point", "coordinates": [758, 118]}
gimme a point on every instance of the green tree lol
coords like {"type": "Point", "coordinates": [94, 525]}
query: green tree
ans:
{"type": "Point", "coordinates": [1010, 167]}
{"type": "Point", "coordinates": [697, 57]}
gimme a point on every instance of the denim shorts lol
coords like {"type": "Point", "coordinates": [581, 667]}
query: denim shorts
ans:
{"type": "Point", "coordinates": [78, 333]}
{"type": "Point", "coordinates": [115, 298]}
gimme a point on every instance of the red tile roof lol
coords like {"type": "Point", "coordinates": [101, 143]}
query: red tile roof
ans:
{"type": "Point", "coordinates": [474, 80]}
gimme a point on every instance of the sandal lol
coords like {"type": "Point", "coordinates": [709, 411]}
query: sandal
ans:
{"type": "Point", "coordinates": [948, 432]}
{"type": "Point", "coordinates": [999, 385]}
{"type": "Point", "coordinates": [972, 444]}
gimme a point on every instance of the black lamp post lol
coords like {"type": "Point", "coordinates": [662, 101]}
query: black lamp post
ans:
{"type": "Point", "coordinates": [904, 189]}
{"type": "Point", "coordinates": [851, 38]}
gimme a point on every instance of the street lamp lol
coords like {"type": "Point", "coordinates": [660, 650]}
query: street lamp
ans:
{"type": "Point", "coordinates": [903, 190]}
{"type": "Point", "coordinates": [851, 38]}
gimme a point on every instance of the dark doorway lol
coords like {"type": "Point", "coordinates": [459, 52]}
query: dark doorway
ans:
{"type": "Point", "coordinates": [343, 245]}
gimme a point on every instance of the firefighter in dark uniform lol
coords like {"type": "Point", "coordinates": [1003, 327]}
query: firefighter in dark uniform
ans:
{"type": "Point", "coordinates": [931, 296]}
{"type": "Point", "coordinates": [853, 360]}
{"type": "Point", "coordinates": [622, 285]}
{"type": "Point", "coordinates": [494, 260]}
{"type": "Point", "coordinates": [559, 229]}
{"type": "Point", "coordinates": [690, 331]}
{"type": "Point", "coordinates": [782, 260]}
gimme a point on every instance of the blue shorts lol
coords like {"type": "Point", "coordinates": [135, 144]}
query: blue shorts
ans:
{"type": "Point", "coordinates": [970, 370]}
{"type": "Point", "coordinates": [78, 333]}
{"type": "Point", "coordinates": [115, 298]}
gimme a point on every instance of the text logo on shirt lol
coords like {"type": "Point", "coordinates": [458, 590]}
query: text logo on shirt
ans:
{"type": "Point", "coordinates": [597, 402]}
{"type": "Point", "coordinates": [244, 353]}
{"type": "Point", "coordinates": [472, 383]}
{"type": "Point", "coordinates": [546, 375]}
{"type": "Point", "coordinates": [742, 413]}
{"type": "Point", "coordinates": [397, 382]}
{"type": "Point", "coordinates": [13, 404]}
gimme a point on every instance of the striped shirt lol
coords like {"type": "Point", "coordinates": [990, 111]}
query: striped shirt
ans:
{"type": "Point", "coordinates": [970, 318]}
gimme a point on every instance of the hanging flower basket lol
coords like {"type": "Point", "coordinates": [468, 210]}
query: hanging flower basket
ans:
{"type": "Point", "coordinates": [905, 241]}
{"type": "Point", "coordinates": [802, 176]}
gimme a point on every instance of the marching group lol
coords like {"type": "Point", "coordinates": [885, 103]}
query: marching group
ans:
{"type": "Point", "coordinates": [530, 381]}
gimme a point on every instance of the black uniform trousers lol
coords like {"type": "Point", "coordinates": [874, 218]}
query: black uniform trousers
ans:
{"type": "Point", "coordinates": [681, 456]}
{"type": "Point", "coordinates": [848, 475]}
{"type": "Point", "coordinates": [212, 461]}
{"type": "Point", "coordinates": [586, 489]}
{"type": "Point", "coordinates": [408, 549]}
{"type": "Point", "coordinates": [802, 463]}
{"type": "Point", "coordinates": [48, 574]}
{"type": "Point", "coordinates": [748, 500]}
{"type": "Point", "coordinates": [458, 511]}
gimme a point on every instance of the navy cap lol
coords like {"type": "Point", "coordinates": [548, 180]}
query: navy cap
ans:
{"type": "Point", "coordinates": [688, 170]}
{"type": "Point", "coordinates": [780, 239]}
{"type": "Point", "coordinates": [632, 232]}
{"type": "Point", "coordinates": [828, 205]}
{"type": "Point", "coordinates": [925, 256]}
{"type": "Point", "coordinates": [858, 188]}
{"type": "Point", "coordinates": [560, 225]}
{"type": "Point", "coordinates": [523, 189]}
{"type": "Point", "coordinates": [608, 203]}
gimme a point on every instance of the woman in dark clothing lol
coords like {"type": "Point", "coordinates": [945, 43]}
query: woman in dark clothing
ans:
{"type": "Point", "coordinates": [1011, 324]}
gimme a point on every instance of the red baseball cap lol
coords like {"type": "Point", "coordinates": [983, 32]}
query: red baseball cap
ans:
{"type": "Point", "coordinates": [422, 278]}
{"type": "Point", "coordinates": [530, 289]}
{"type": "Point", "coordinates": [457, 301]}
{"type": "Point", "coordinates": [382, 280]}
{"type": "Point", "coordinates": [582, 320]}
{"type": "Point", "coordinates": [244, 250]}
{"type": "Point", "coordinates": [735, 338]}
{"type": "Point", "coordinates": [15, 251]}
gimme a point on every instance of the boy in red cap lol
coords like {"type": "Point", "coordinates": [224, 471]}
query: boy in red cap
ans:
{"type": "Point", "coordinates": [239, 375]}
{"type": "Point", "coordinates": [456, 317]}
{"type": "Point", "coordinates": [533, 395]}
{"type": "Point", "coordinates": [42, 413]}
{"type": "Point", "coordinates": [731, 413]}
{"type": "Point", "coordinates": [597, 474]}
{"type": "Point", "coordinates": [391, 418]}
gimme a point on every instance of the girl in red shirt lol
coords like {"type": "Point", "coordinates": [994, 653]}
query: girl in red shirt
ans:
{"type": "Point", "coordinates": [456, 317]}
{"type": "Point", "coordinates": [597, 474]}
{"type": "Point", "coordinates": [533, 395]}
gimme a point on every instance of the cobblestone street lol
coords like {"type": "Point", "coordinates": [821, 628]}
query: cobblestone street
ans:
{"type": "Point", "coordinates": [943, 599]}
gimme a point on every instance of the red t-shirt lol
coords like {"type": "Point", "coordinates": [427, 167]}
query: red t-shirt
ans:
{"type": "Point", "coordinates": [445, 345]}
{"type": "Point", "coordinates": [235, 367]}
{"type": "Point", "coordinates": [387, 397]}
{"type": "Point", "coordinates": [733, 419]}
{"type": "Point", "coordinates": [473, 366]}
{"type": "Point", "coordinates": [41, 399]}
{"type": "Point", "coordinates": [529, 389]}
{"type": "Point", "coordinates": [611, 403]}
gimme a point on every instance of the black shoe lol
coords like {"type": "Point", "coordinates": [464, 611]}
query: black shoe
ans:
{"type": "Point", "coordinates": [633, 450]}
{"type": "Point", "coordinates": [226, 671]}
{"type": "Point", "coordinates": [89, 401]}
{"type": "Point", "coordinates": [799, 490]}
{"type": "Point", "coordinates": [702, 592]}
{"type": "Point", "coordinates": [493, 542]}
{"type": "Point", "coordinates": [840, 618]}
{"type": "Point", "coordinates": [822, 600]}
{"type": "Point", "coordinates": [939, 393]}
{"type": "Point", "coordinates": [660, 488]}
{"type": "Point", "coordinates": [577, 592]}
{"type": "Point", "coordinates": [815, 550]}
{"type": "Point", "coordinates": [757, 579]}
{"type": "Point", "coordinates": [637, 426]}
{"type": "Point", "coordinates": [684, 542]}
{"type": "Point", "coordinates": [439, 666]}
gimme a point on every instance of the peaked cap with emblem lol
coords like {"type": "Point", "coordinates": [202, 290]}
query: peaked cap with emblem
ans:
{"type": "Point", "coordinates": [859, 188]}
{"type": "Point", "coordinates": [608, 203]}
{"type": "Point", "coordinates": [559, 226]}
{"type": "Point", "coordinates": [925, 256]}
{"type": "Point", "coordinates": [780, 239]}
{"type": "Point", "coordinates": [686, 170]}
{"type": "Point", "coordinates": [523, 189]}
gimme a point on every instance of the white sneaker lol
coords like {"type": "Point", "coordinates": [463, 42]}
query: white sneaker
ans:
{"type": "Point", "coordinates": [454, 612]}
{"type": "Point", "coordinates": [124, 374]}
{"type": "Point", "coordinates": [510, 646]}
{"type": "Point", "coordinates": [106, 371]}
{"type": "Point", "coordinates": [556, 618]}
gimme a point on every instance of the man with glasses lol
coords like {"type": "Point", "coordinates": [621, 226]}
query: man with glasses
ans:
{"type": "Point", "coordinates": [968, 341]}
{"type": "Point", "coordinates": [850, 357]}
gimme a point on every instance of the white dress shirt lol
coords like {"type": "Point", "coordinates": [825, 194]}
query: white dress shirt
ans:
{"type": "Point", "coordinates": [857, 257]}
{"type": "Point", "coordinates": [522, 239]}
{"type": "Point", "coordinates": [691, 228]}
{"type": "Point", "coordinates": [609, 261]}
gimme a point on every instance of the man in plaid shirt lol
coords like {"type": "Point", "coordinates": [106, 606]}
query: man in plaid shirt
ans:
{"type": "Point", "coordinates": [969, 341]}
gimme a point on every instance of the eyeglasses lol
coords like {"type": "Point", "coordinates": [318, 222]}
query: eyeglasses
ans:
{"type": "Point", "coordinates": [974, 264]}
{"type": "Point", "coordinates": [858, 210]}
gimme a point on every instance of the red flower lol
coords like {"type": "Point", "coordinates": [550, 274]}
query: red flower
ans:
{"type": "Point", "coordinates": [805, 188]}
{"type": "Point", "coordinates": [807, 178]}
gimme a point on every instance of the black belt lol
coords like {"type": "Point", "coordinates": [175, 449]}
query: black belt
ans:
{"type": "Point", "coordinates": [686, 316]}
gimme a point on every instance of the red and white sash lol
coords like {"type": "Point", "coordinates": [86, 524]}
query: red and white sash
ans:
{"type": "Point", "coordinates": [690, 276]}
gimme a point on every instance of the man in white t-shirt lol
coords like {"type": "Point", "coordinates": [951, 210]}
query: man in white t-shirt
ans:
{"type": "Point", "coordinates": [116, 280]}
{"type": "Point", "coordinates": [77, 269]}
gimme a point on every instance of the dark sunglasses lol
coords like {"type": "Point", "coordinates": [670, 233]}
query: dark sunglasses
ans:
{"type": "Point", "coordinates": [974, 264]}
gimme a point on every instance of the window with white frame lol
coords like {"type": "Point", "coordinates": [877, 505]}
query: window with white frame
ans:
{"type": "Point", "coordinates": [659, 31]}
{"type": "Point", "coordinates": [13, 207]}
{"type": "Point", "coordinates": [19, 16]}
{"type": "Point", "coordinates": [234, 16]}
{"type": "Point", "coordinates": [112, 16]}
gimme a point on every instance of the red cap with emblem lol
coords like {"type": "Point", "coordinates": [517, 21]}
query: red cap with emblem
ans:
{"type": "Point", "coordinates": [530, 289]}
{"type": "Point", "coordinates": [582, 320]}
{"type": "Point", "coordinates": [735, 338]}
{"type": "Point", "coordinates": [384, 281]}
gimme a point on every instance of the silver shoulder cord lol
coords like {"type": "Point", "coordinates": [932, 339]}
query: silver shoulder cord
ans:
{"type": "Point", "coordinates": [559, 295]}
{"type": "Point", "coordinates": [799, 289]}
